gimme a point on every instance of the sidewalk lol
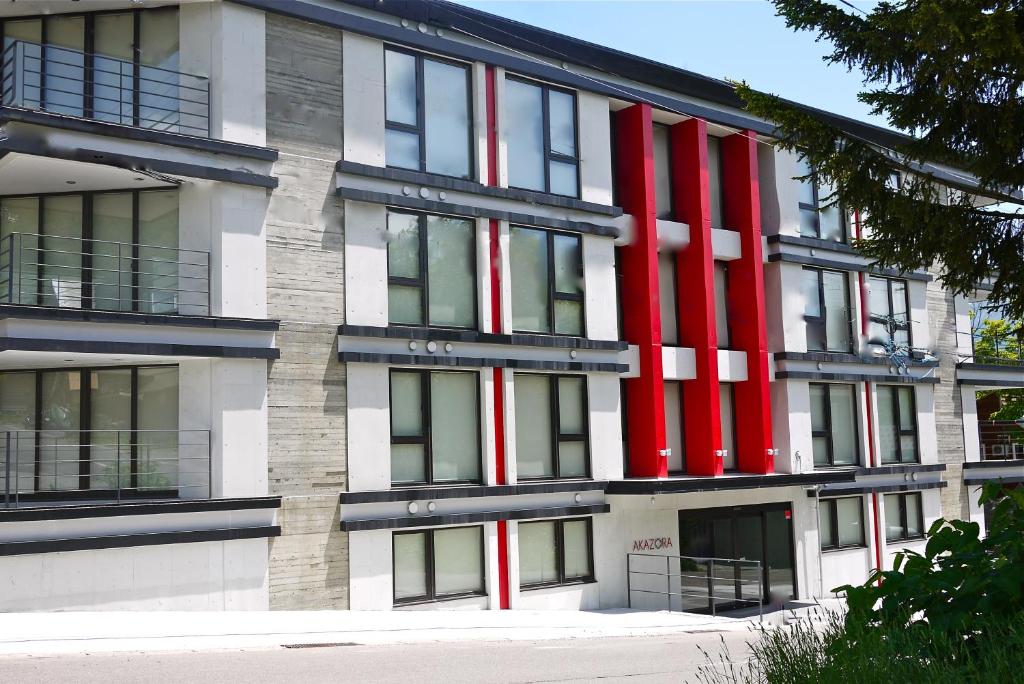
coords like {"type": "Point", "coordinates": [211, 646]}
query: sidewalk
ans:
{"type": "Point", "coordinates": [56, 633]}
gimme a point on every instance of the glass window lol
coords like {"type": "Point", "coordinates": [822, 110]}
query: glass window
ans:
{"type": "Point", "coordinates": [435, 427]}
{"type": "Point", "coordinates": [725, 402]}
{"type": "Point", "coordinates": [553, 552]}
{"type": "Point", "coordinates": [904, 518]}
{"type": "Point", "coordinates": [897, 424]}
{"type": "Point", "coordinates": [547, 282]}
{"type": "Point", "coordinates": [827, 311]}
{"type": "Point", "coordinates": [442, 291]}
{"type": "Point", "coordinates": [889, 312]}
{"type": "Point", "coordinates": [18, 416]}
{"type": "Point", "coordinates": [674, 426]}
{"type": "Point", "coordinates": [667, 298]}
{"type": "Point", "coordinates": [841, 522]}
{"type": "Point", "coordinates": [722, 304]}
{"type": "Point", "coordinates": [427, 115]}
{"type": "Point", "coordinates": [715, 182]}
{"type": "Point", "coordinates": [834, 424]}
{"type": "Point", "coordinates": [551, 426]}
{"type": "Point", "coordinates": [663, 171]}
{"type": "Point", "coordinates": [432, 565]}
{"type": "Point", "coordinates": [541, 137]}
{"type": "Point", "coordinates": [820, 216]}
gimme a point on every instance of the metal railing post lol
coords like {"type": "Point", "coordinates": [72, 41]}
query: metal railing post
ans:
{"type": "Point", "coordinates": [711, 584]}
{"type": "Point", "coordinates": [7, 470]}
{"type": "Point", "coordinates": [629, 591]}
{"type": "Point", "coordinates": [668, 583]}
{"type": "Point", "coordinates": [760, 593]}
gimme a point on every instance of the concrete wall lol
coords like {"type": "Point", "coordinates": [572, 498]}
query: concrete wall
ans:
{"type": "Point", "coordinates": [308, 563]}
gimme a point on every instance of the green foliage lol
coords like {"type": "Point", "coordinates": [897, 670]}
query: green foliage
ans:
{"type": "Point", "coordinates": [998, 340]}
{"type": "Point", "coordinates": [950, 71]}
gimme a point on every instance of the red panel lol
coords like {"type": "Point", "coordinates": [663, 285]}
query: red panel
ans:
{"type": "Point", "coordinates": [742, 209]}
{"type": "Point", "coordinates": [695, 278]}
{"type": "Point", "coordinates": [642, 317]}
{"type": "Point", "coordinates": [502, 565]}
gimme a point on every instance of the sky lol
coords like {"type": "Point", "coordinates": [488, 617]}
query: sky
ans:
{"type": "Point", "coordinates": [736, 39]}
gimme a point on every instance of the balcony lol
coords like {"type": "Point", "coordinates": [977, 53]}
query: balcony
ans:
{"type": "Point", "coordinates": [1001, 440]}
{"type": "Point", "coordinates": [92, 86]}
{"type": "Point", "coordinates": [103, 466]}
{"type": "Point", "coordinates": [80, 273]}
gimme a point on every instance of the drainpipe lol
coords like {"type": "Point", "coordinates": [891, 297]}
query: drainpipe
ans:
{"type": "Point", "coordinates": [821, 556]}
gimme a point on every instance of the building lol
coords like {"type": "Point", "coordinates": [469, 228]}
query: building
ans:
{"type": "Point", "coordinates": [380, 305]}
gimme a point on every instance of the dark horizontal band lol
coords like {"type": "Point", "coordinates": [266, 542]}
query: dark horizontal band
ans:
{"type": "Point", "coordinates": [895, 468]}
{"type": "Point", "coordinates": [1010, 366]}
{"type": "Point", "coordinates": [857, 377]}
{"type": "Point", "coordinates": [470, 518]}
{"type": "Point", "coordinates": [463, 185]}
{"type": "Point", "coordinates": [120, 541]}
{"type": "Point", "coordinates": [812, 243]}
{"type": "Point", "coordinates": [476, 212]}
{"type": "Point", "coordinates": [720, 483]}
{"type": "Point", "coordinates": [846, 266]}
{"type": "Point", "coordinates": [985, 465]}
{"type": "Point", "coordinates": [404, 332]}
{"type": "Point", "coordinates": [66, 512]}
{"type": "Point", "coordinates": [846, 357]}
{"type": "Point", "coordinates": [136, 348]}
{"type": "Point", "coordinates": [470, 491]}
{"type": "Point", "coordinates": [878, 489]}
{"type": "Point", "coordinates": [473, 362]}
{"type": "Point", "coordinates": [94, 316]}
{"type": "Point", "coordinates": [990, 382]}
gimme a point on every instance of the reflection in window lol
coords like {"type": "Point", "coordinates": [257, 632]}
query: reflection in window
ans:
{"type": "Point", "coordinates": [551, 426]}
{"type": "Point", "coordinates": [904, 519]}
{"type": "Point", "coordinates": [547, 282]}
{"type": "Point", "coordinates": [841, 523]}
{"type": "Point", "coordinates": [833, 424]}
{"type": "Point", "coordinates": [541, 136]}
{"type": "Point", "coordinates": [433, 565]}
{"type": "Point", "coordinates": [554, 552]}
{"type": "Point", "coordinates": [820, 216]}
{"type": "Point", "coordinates": [897, 424]}
{"type": "Point", "coordinates": [827, 311]}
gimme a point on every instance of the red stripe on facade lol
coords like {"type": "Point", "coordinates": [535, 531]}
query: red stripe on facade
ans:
{"type": "Point", "coordinates": [634, 146]}
{"type": "Point", "coordinates": [695, 297]}
{"type": "Point", "coordinates": [742, 213]}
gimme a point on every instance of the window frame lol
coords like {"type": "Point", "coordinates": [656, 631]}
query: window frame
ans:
{"type": "Point", "coordinates": [832, 503]}
{"type": "Point", "coordinates": [827, 433]}
{"type": "Point", "coordinates": [902, 497]}
{"type": "Point", "coordinates": [426, 439]}
{"type": "Point", "coordinates": [889, 298]}
{"type": "Point", "coordinates": [671, 213]}
{"type": "Point", "coordinates": [562, 580]}
{"type": "Point", "coordinates": [557, 437]}
{"type": "Point", "coordinates": [722, 266]}
{"type": "Point", "coordinates": [548, 154]}
{"type": "Point", "coordinates": [423, 282]}
{"type": "Point", "coordinates": [898, 422]}
{"type": "Point", "coordinates": [420, 128]}
{"type": "Point", "coordinates": [821, 322]}
{"type": "Point", "coordinates": [812, 178]}
{"type": "Point", "coordinates": [553, 294]}
{"type": "Point", "coordinates": [430, 568]}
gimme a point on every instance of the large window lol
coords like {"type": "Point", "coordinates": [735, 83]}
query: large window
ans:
{"type": "Point", "coordinates": [92, 430]}
{"type": "Point", "coordinates": [547, 282]}
{"type": "Point", "coordinates": [434, 565]}
{"type": "Point", "coordinates": [715, 184]}
{"type": "Point", "coordinates": [663, 171]}
{"type": "Point", "coordinates": [114, 251]}
{"type": "Point", "coordinates": [834, 424]}
{"type": "Point", "coordinates": [722, 304]}
{"type": "Point", "coordinates": [897, 424]}
{"type": "Point", "coordinates": [727, 408]}
{"type": "Point", "coordinates": [816, 220]}
{"type": "Point", "coordinates": [667, 290]}
{"type": "Point", "coordinates": [904, 519]}
{"type": "Point", "coordinates": [431, 270]}
{"type": "Point", "coordinates": [551, 426]}
{"type": "Point", "coordinates": [827, 311]}
{"type": "Point", "coordinates": [427, 112]}
{"type": "Point", "coordinates": [674, 429]}
{"type": "Point", "coordinates": [555, 552]}
{"type": "Point", "coordinates": [841, 523]}
{"type": "Point", "coordinates": [541, 137]}
{"type": "Point", "coordinates": [889, 308]}
{"type": "Point", "coordinates": [435, 427]}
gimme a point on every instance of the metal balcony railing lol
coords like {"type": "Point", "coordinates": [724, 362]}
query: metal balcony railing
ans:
{"type": "Point", "coordinates": [1001, 440]}
{"type": "Point", "coordinates": [79, 273]}
{"type": "Point", "coordinates": [1004, 350]}
{"type": "Point", "coordinates": [94, 86]}
{"type": "Point", "coordinates": [58, 466]}
{"type": "Point", "coordinates": [693, 584]}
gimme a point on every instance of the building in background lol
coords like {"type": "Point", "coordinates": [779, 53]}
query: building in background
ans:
{"type": "Point", "coordinates": [383, 305]}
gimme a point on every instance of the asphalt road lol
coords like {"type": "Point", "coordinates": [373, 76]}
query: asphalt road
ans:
{"type": "Point", "coordinates": [673, 659]}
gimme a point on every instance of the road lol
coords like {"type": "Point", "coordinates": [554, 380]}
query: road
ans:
{"type": "Point", "coordinates": [646, 660]}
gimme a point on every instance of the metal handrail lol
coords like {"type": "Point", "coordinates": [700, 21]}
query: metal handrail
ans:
{"type": "Point", "coordinates": [109, 88]}
{"type": "Point", "coordinates": [712, 581]}
{"type": "Point", "coordinates": [65, 464]}
{"type": "Point", "coordinates": [1001, 440]}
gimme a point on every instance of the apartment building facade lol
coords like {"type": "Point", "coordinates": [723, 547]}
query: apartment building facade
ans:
{"type": "Point", "coordinates": [393, 305]}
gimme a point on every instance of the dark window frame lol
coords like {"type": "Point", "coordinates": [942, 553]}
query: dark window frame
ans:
{"type": "Point", "coordinates": [553, 294]}
{"type": "Point", "coordinates": [420, 128]}
{"type": "Point", "coordinates": [833, 504]}
{"type": "Point", "coordinates": [903, 521]}
{"type": "Point", "coordinates": [732, 412]}
{"type": "Point", "coordinates": [671, 174]}
{"type": "Point", "coordinates": [898, 422]}
{"type": "Point", "coordinates": [728, 319]}
{"type": "Point", "coordinates": [423, 281]}
{"type": "Point", "coordinates": [905, 325]}
{"type": "Point", "coordinates": [562, 580]}
{"type": "Point", "coordinates": [557, 436]}
{"type": "Point", "coordinates": [549, 155]}
{"type": "Point", "coordinates": [426, 439]}
{"type": "Point", "coordinates": [816, 210]}
{"type": "Point", "coordinates": [429, 563]}
{"type": "Point", "coordinates": [821, 322]}
{"type": "Point", "coordinates": [827, 432]}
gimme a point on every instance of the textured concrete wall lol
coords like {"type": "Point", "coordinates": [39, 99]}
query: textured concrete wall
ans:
{"type": "Point", "coordinates": [309, 562]}
{"type": "Point", "coordinates": [949, 425]}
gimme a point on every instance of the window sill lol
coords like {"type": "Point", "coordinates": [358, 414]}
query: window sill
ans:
{"type": "Point", "coordinates": [401, 603]}
{"type": "Point", "coordinates": [904, 539]}
{"type": "Point", "coordinates": [557, 585]}
{"type": "Point", "coordinates": [852, 547]}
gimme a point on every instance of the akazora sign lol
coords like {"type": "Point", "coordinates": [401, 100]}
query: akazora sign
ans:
{"type": "Point", "coordinates": [652, 544]}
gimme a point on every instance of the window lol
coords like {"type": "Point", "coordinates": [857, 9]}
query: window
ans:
{"type": "Point", "coordinates": [827, 311]}
{"type": "Point", "coordinates": [897, 424]}
{"type": "Point", "coordinates": [726, 406]}
{"type": "Point", "coordinates": [841, 523]}
{"type": "Point", "coordinates": [431, 270]}
{"type": "Point", "coordinates": [541, 135]}
{"type": "Point", "coordinates": [674, 429]}
{"type": "Point", "coordinates": [114, 251]}
{"type": "Point", "coordinates": [434, 565]}
{"type": "Point", "coordinates": [555, 552]}
{"type": "Point", "coordinates": [904, 519]}
{"type": "Point", "coordinates": [667, 288]}
{"type": "Point", "coordinates": [715, 182]}
{"type": "Point", "coordinates": [435, 427]}
{"type": "Point", "coordinates": [816, 221]}
{"type": "Point", "coordinates": [551, 426]}
{"type": "Point", "coordinates": [834, 425]}
{"type": "Point", "coordinates": [889, 308]}
{"type": "Point", "coordinates": [427, 114]}
{"type": "Point", "coordinates": [663, 171]}
{"type": "Point", "coordinates": [722, 304]}
{"type": "Point", "coordinates": [93, 430]}
{"type": "Point", "coordinates": [547, 282]}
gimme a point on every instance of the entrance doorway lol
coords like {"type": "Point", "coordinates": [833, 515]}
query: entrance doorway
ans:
{"type": "Point", "coordinates": [755, 533]}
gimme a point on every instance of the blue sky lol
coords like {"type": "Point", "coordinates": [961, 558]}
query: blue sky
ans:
{"type": "Point", "coordinates": [738, 39]}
